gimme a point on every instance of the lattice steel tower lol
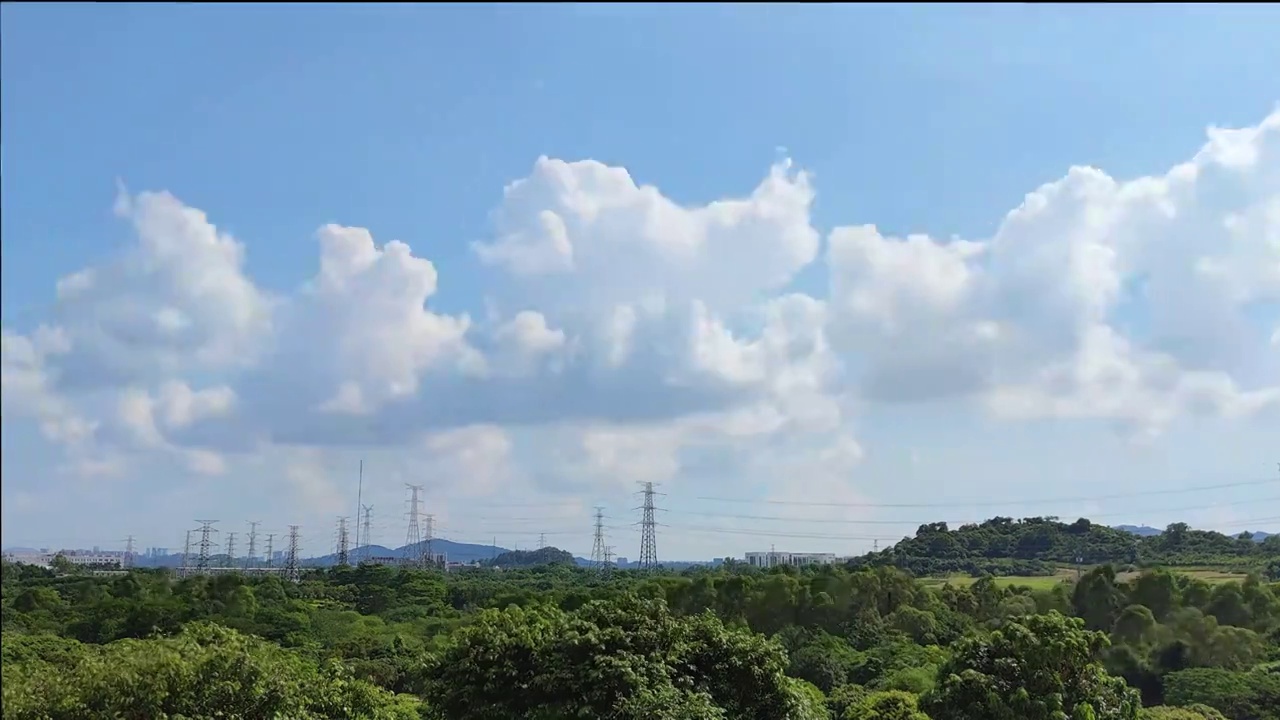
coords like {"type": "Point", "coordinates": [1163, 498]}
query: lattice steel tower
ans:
{"type": "Point", "coordinates": [413, 537]}
{"type": "Point", "coordinates": [344, 557]}
{"type": "Point", "coordinates": [366, 534]}
{"type": "Point", "coordinates": [648, 535]}
{"type": "Point", "coordinates": [231, 549]}
{"type": "Point", "coordinates": [186, 556]}
{"type": "Point", "coordinates": [597, 543]}
{"type": "Point", "coordinates": [253, 545]}
{"type": "Point", "coordinates": [291, 557]}
{"type": "Point", "coordinates": [429, 554]}
{"type": "Point", "coordinates": [206, 544]}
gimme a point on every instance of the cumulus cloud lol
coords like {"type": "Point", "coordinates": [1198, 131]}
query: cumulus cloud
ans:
{"type": "Point", "coordinates": [646, 340]}
{"type": "Point", "coordinates": [1134, 301]}
{"type": "Point", "coordinates": [176, 301]}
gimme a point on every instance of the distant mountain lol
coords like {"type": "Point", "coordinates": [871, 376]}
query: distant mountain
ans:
{"type": "Point", "coordinates": [455, 551]}
{"type": "Point", "coordinates": [1147, 531]}
{"type": "Point", "coordinates": [1140, 530]}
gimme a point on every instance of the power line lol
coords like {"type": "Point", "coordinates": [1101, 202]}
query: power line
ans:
{"type": "Point", "coordinates": [1006, 503]}
{"type": "Point", "coordinates": [843, 521]}
{"type": "Point", "coordinates": [1245, 523]}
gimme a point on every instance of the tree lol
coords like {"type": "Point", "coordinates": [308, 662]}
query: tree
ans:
{"type": "Point", "coordinates": [204, 669]}
{"type": "Point", "coordinates": [612, 660]}
{"type": "Point", "coordinates": [890, 705]}
{"type": "Point", "coordinates": [1238, 695]}
{"type": "Point", "coordinates": [1042, 668]}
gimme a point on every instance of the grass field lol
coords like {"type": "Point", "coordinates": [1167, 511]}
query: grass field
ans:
{"type": "Point", "coordinates": [1044, 582]}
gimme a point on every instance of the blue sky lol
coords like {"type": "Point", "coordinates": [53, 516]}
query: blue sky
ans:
{"type": "Point", "coordinates": [410, 122]}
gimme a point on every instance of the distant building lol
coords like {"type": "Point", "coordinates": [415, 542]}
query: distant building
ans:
{"type": "Point", "coordinates": [774, 558]}
{"type": "Point", "coordinates": [86, 558]}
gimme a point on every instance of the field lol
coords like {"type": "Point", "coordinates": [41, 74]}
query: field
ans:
{"type": "Point", "coordinates": [1044, 582]}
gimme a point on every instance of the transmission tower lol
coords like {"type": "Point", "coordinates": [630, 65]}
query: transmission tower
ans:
{"type": "Point", "coordinates": [413, 537]}
{"type": "Point", "coordinates": [231, 549]}
{"type": "Point", "coordinates": [291, 557]}
{"type": "Point", "coordinates": [648, 536]}
{"type": "Point", "coordinates": [253, 545]}
{"type": "Point", "coordinates": [597, 544]}
{"type": "Point", "coordinates": [366, 534]}
{"type": "Point", "coordinates": [186, 556]}
{"type": "Point", "coordinates": [542, 540]}
{"type": "Point", "coordinates": [343, 552]}
{"type": "Point", "coordinates": [608, 558]}
{"type": "Point", "coordinates": [359, 506]}
{"type": "Point", "coordinates": [206, 545]}
{"type": "Point", "coordinates": [429, 554]}
{"type": "Point", "coordinates": [127, 561]}
{"type": "Point", "coordinates": [271, 539]}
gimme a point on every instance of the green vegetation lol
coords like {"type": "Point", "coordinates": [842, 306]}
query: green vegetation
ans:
{"type": "Point", "coordinates": [1041, 546]}
{"type": "Point", "coordinates": [532, 558]}
{"type": "Point", "coordinates": [556, 642]}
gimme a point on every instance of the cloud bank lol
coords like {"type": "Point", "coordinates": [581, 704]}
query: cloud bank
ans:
{"type": "Point", "coordinates": [626, 337]}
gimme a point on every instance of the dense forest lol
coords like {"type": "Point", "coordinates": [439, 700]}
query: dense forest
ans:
{"type": "Point", "coordinates": [1037, 546]}
{"type": "Point", "coordinates": [558, 642]}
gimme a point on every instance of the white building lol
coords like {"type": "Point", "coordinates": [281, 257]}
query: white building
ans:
{"type": "Point", "coordinates": [75, 557]}
{"type": "Point", "coordinates": [773, 558]}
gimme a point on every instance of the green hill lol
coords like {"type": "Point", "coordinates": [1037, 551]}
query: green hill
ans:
{"type": "Point", "coordinates": [1036, 546]}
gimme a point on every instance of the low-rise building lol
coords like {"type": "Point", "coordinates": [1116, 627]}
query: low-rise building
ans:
{"type": "Point", "coordinates": [774, 558]}
{"type": "Point", "coordinates": [84, 558]}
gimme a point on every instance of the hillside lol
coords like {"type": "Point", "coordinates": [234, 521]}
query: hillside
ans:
{"type": "Point", "coordinates": [533, 558]}
{"type": "Point", "coordinates": [1034, 546]}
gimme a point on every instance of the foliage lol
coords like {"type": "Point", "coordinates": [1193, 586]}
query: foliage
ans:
{"type": "Point", "coordinates": [1253, 695]}
{"type": "Point", "coordinates": [556, 641]}
{"type": "Point", "coordinates": [1034, 546]}
{"type": "Point", "coordinates": [532, 558]}
{"type": "Point", "coordinates": [1042, 667]}
{"type": "Point", "coordinates": [595, 661]}
{"type": "Point", "coordinates": [203, 669]}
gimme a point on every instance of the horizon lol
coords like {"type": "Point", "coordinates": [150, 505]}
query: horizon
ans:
{"type": "Point", "coordinates": [142, 549]}
{"type": "Point", "coordinates": [818, 273]}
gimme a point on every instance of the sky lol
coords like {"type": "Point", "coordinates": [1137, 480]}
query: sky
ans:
{"type": "Point", "coordinates": [823, 274]}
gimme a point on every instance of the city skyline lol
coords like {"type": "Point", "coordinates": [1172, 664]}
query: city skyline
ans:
{"type": "Point", "coordinates": [529, 260]}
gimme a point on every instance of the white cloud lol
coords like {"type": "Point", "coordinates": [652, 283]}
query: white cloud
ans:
{"type": "Point", "coordinates": [176, 301]}
{"type": "Point", "coordinates": [628, 337]}
{"type": "Point", "coordinates": [1095, 298]}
